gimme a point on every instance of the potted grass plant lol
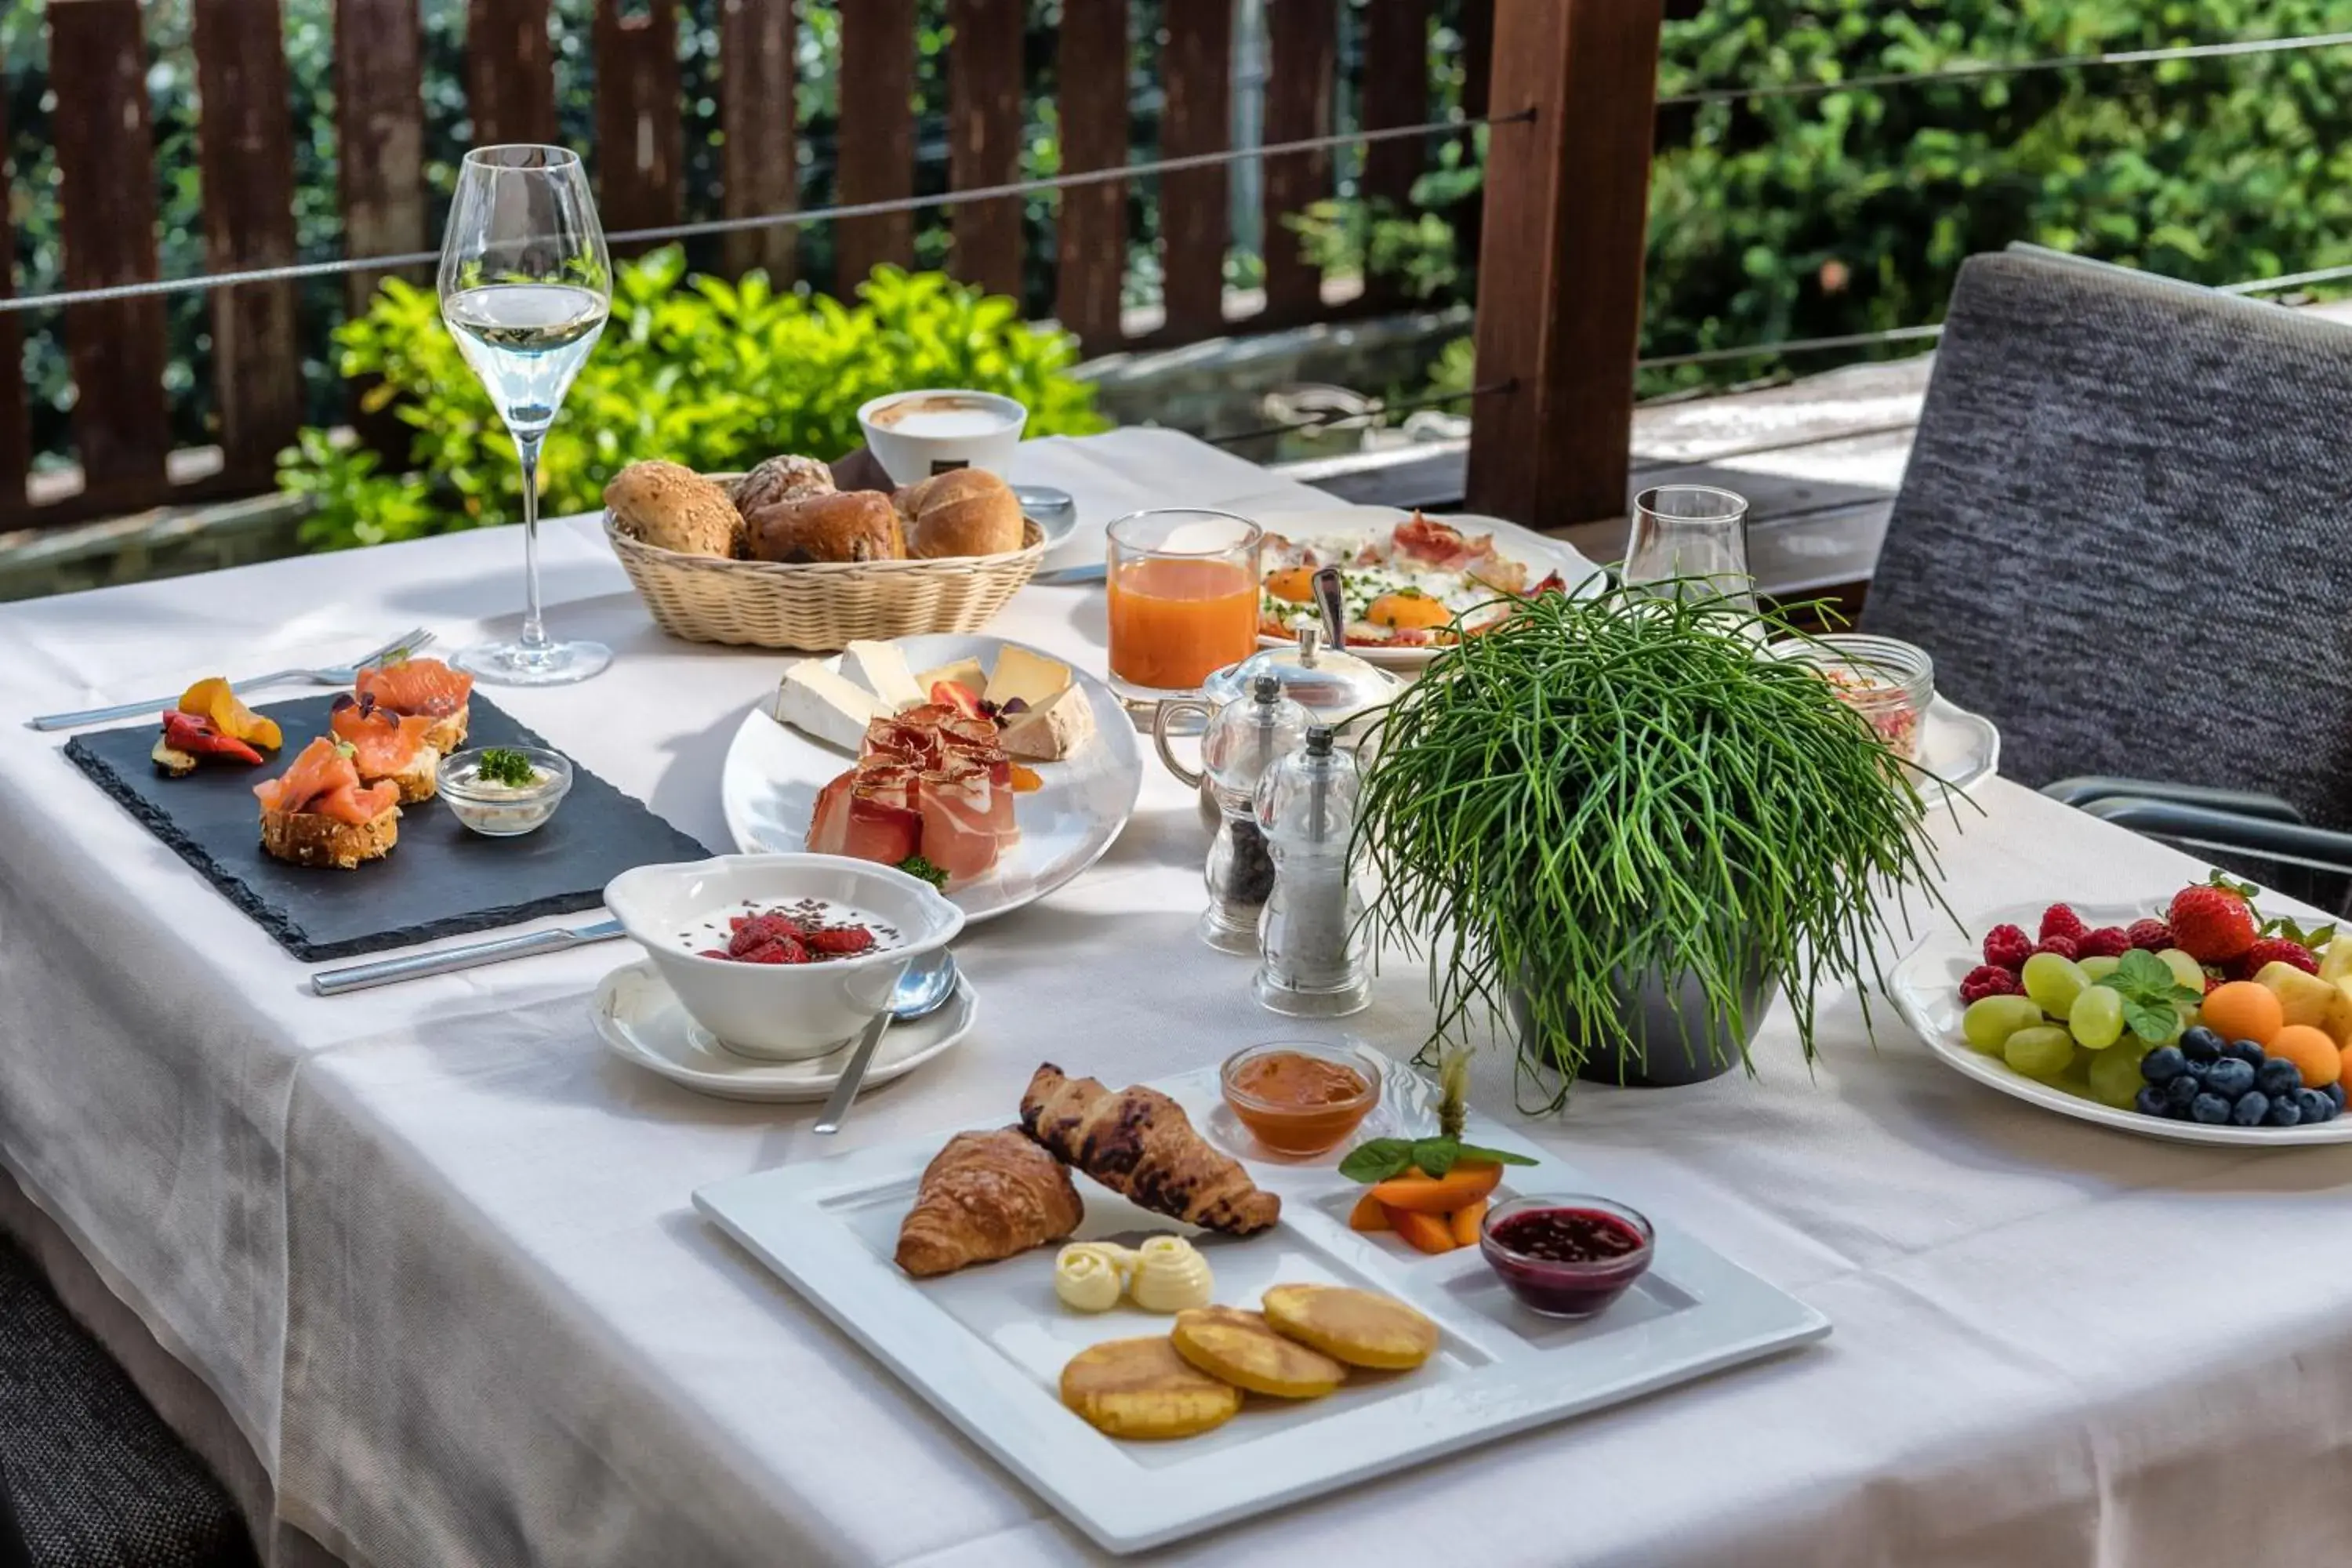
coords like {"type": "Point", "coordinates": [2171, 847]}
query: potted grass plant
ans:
{"type": "Point", "coordinates": [1621, 830]}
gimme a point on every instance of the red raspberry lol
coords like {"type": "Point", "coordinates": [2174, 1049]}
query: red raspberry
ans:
{"type": "Point", "coordinates": [2108, 941]}
{"type": "Point", "coordinates": [2063, 946]}
{"type": "Point", "coordinates": [2149, 936]}
{"type": "Point", "coordinates": [2008, 946]}
{"type": "Point", "coordinates": [1989, 980]}
{"type": "Point", "coordinates": [2213, 981]}
{"type": "Point", "coordinates": [839, 941]}
{"type": "Point", "coordinates": [2213, 925]}
{"type": "Point", "coordinates": [2273, 950]}
{"type": "Point", "coordinates": [2059, 919]}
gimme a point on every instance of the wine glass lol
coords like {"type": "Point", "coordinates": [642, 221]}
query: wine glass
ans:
{"type": "Point", "coordinates": [1694, 538]}
{"type": "Point", "coordinates": [526, 284]}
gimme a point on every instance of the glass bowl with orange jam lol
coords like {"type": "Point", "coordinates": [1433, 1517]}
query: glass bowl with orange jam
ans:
{"type": "Point", "coordinates": [1301, 1097]}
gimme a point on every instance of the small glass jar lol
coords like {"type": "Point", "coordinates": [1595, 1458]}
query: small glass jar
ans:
{"type": "Point", "coordinates": [504, 810]}
{"type": "Point", "coordinates": [1295, 1096]}
{"type": "Point", "coordinates": [1889, 682]}
{"type": "Point", "coordinates": [1566, 1255]}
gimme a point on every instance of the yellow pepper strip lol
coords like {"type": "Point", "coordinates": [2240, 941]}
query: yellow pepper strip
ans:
{"type": "Point", "coordinates": [211, 698]}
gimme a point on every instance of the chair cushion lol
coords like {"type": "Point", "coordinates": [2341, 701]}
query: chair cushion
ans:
{"type": "Point", "coordinates": [95, 1479]}
{"type": "Point", "coordinates": [2123, 531]}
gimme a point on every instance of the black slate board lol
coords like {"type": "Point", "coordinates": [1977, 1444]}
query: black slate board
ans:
{"type": "Point", "coordinates": [439, 880]}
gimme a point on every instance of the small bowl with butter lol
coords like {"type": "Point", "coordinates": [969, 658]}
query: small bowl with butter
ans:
{"type": "Point", "coordinates": [504, 792]}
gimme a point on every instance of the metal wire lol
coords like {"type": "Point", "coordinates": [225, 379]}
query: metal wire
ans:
{"type": "Point", "coordinates": [776, 220]}
{"type": "Point", "coordinates": [2291, 281]}
{"type": "Point", "coordinates": [1972, 69]}
{"type": "Point", "coordinates": [1790, 345]}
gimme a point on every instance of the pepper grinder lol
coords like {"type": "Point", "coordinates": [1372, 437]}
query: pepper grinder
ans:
{"type": "Point", "coordinates": [1314, 958]}
{"type": "Point", "coordinates": [1242, 742]}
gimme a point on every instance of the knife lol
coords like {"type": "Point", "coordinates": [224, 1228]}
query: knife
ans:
{"type": "Point", "coordinates": [473, 955]}
{"type": "Point", "coordinates": [1092, 571]}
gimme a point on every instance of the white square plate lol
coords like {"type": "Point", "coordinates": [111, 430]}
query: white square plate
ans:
{"type": "Point", "coordinates": [986, 1345]}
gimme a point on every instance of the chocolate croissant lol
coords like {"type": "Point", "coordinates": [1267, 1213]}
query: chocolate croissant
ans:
{"type": "Point", "coordinates": [986, 1195]}
{"type": "Point", "coordinates": [1139, 1144]}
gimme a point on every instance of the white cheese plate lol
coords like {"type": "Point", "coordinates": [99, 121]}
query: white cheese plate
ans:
{"type": "Point", "coordinates": [986, 1345]}
{"type": "Point", "coordinates": [769, 784]}
{"type": "Point", "coordinates": [1925, 988]}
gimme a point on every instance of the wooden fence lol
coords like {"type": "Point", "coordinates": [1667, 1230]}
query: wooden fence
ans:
{"type": "Point", "coordinates": [1560, 249]}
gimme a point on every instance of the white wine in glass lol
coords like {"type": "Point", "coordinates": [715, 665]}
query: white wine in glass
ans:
{"type": "Point", "coordinates": [526, 284]}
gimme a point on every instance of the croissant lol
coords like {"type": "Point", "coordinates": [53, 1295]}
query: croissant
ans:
{"type": "Point", "coordinates": [986, 1195]}
{"type": "Point", "coordinates": [1139, 1143]}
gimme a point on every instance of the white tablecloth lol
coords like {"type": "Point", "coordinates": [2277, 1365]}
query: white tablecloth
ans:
{"type": "Point", "coordinates": [435, 1250]}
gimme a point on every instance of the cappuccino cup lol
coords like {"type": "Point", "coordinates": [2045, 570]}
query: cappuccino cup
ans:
{"type": "Point", "coordinates": [915, 435]}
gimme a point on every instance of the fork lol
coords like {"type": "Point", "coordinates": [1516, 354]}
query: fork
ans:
{"type": "Point", "coordinates": [331, 675]}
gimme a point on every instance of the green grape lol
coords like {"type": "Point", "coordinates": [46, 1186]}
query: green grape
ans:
{"type": "Point", "coordinates": [2114, 1078]}
{"type": "Point", "coordinates": [1990, 1020]}
{"type": "Point", "coordinates": [2054, 981]}
{"type": "Point", "coordinates": [2096, 968]}
{"type": "Point", "coordinates": [2097, 1020]}
{"type": "Point", "coordinates": [2185, 969]}
{"type": "Point", "coordinates": [2043, 1051]}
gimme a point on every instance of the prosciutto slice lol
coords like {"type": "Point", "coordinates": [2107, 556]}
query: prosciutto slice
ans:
{"type": "Point", "coordinates": [930, 781]}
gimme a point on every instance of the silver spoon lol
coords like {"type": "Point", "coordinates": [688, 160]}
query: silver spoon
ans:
{"type": "Point", "coordinates": [921, 991]}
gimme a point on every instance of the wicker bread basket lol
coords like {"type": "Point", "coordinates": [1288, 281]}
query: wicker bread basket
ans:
{"type": "Point", "coordinates": [820, 605]}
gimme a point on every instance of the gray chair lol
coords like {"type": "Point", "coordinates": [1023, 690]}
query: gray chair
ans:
{"type": "Point", "coordinates": [2122, 537]}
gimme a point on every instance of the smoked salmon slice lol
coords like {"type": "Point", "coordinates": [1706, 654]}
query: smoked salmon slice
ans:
{"type": "Point", "coordinates": [325, 781]}
{"type": "Point", "coordinates": [424, 686]}
{"type": "Point", "coordinates": [383, 742]}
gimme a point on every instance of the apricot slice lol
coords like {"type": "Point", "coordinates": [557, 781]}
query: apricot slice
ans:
{"type": "Point", "coordinates": [1421, 1232]}
{"type": "Point", "coordinates": [1368, 1215]}
{"type": "Point", "coordinates": [1466, 1223]}
{"type": "Point", "coordinates": [1458, 1188]}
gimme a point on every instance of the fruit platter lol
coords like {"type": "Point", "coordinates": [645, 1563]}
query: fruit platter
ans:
{"type": "Point", "coordinates": [2202, 1019]}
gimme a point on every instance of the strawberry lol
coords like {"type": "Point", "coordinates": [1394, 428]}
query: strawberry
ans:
{"type": "Point", "coordinates": [837, 942]}
{"type": "Point", "coordinates": [2211, 924]}
{"type": "Point", "coordinates": [2063, 946]}
{"type": "Point", "coordinates": [2059, 920]}
{"type": "Point", "coordinates": [1989, 980]}
{"type": "Point", "coordinates": [2149, 936]}
{"type": "Point", "coordinates": [2008, 946]}
{"type": "Point", "coordinates": [2273, 950]}
{"type": "Point", "coordinates": [2107, 941]}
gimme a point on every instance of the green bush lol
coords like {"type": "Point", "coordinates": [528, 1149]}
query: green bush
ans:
{"type": "Point", "coordinates": [713, 374]}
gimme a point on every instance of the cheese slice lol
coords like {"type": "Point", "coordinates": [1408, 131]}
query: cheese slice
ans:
{"type": "Point", "coordinates": [1029, 677]}
{"type": "Point", "coordinates": [816, 701]}
{"type": "Point", "coordinates": [1058, 728]}
{"type": "Point", "coordinates": [884, 670]}
{"type": "Point", "coordinates": [964, 672]}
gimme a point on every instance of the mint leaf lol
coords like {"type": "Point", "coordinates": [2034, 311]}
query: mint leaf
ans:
{"type": "Point", "coordinates": [1377, 1159]}
{"type": "Point", "coordinates": [1436, 1156]}
{"type": "Point", "coordinates": [2155, 1023]}
{"type": "Point", "coordinates": [2140, 970]}
{"type": "Point", "coordinates": [1477, 1156]}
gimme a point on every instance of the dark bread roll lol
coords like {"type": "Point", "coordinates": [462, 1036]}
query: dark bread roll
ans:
{"type": "Point", "coordinates": [789, 477]}
{"type": "Point", "coordinates": [964, 511]}
{"type": "Point", "coordinates": [852, 525]}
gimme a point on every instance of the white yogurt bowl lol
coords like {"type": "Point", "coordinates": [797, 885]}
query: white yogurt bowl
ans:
{"type": "Point", "coordinates": [783, 1012]}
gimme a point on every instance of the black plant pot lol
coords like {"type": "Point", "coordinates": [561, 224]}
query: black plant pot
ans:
{"type": "Point", "coordinates": [1674, 1040]}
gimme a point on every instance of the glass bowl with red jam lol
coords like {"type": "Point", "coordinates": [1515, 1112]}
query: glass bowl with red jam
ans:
{"type": "Point", "coordinates": [1566, 1255]}
{"type": "Point", "coordinates": [1302, 1096]}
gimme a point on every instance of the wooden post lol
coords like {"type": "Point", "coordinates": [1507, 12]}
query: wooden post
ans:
{"type": "Point", "coordinates": [876, 140]}
{"type": "Point", "coordinates": [1197, 77]}
{"type": "Point", "coordinates": [1090, 235]}
{"type": "Point", "coordinates": [246, 145]}
{"type": "Point", "coordinates": [106, 170]}
{"type": "Point", "coordinates": [1559, 275]}
{"type": "Point", "coordinates": [16, 415]}
{"type": "Point", "coordinates": [1396, 92]}
{"type": "Point", "coordinates": [380, 123]}
{"type": "Point", "coordinates": [984, 125]}
{"type": "Point", "coordinates": [510, 72]}
{"type": "Point", "coordinates": [1303, 49]}
{"type": "Point", "coordinates": [758, 76]}
{"type": "Point", "coordinates": [640, 143]}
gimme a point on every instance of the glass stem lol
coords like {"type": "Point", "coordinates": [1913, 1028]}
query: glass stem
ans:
{"type": "Point", "coordinates": [534, 631]}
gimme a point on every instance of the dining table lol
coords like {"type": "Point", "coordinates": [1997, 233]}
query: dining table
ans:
{"type": "Point", "coordinates": [434, 1248]}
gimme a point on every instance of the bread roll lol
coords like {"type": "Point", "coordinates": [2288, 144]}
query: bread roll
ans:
{"type": "Point", "coordinates": [674, 508]}
{"type": "Point", "coordinates": [786, 477]}
{"type": "Point", "coordinates": [855, 525]}
{"type": "Point", "coordinates": [964, 511]}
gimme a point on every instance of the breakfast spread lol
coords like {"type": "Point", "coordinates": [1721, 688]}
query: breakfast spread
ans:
{"type": "Point", "coordinates": [789, 511]}
{"type": "Point", "coordinates": [1170, 1275]}
{"type": "Point", "coordinates": [811, 931]}
{"type": "Point", "coordinates": [387, 745]}
{"type": "Point", "coordinates": [985, 1197]}
{"type": "Point", "coordinates": [210, 722]}
{"type": "Point", "coordinates": [421, 688]}
{"type": "Point", "coordinates": [318, 813]}
{"type": "Point", "coordinates": [1401, 589]}
{"type": "Point", "coordinates": [1139, 1144]}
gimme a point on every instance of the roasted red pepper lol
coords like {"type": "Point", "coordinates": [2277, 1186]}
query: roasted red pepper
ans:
{"type": "Point", "coordinates": [200, 737]}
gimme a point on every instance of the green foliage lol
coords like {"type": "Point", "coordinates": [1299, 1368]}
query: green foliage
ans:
{"type": "Point", "coordinates": [713, 374]}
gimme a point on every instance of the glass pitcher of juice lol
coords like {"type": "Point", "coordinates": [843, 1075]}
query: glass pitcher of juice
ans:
{"type": "Point", "coordinates": [1183, 589]}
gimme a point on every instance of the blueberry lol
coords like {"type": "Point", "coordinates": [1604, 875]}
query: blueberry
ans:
{"type": "Point", "coordinates": [2230, 1077]}
{"type": "Point", "coordinates": [2181, 1092]}
{"type": "Point", "coordinates": [2246, 1051]}
{"type": "Point", "coordinates": [2150, 1101]}
{"type": "Point", "coordinates": [2286, 1111]}
{"type": "Point", "coordinates": [2200, 1044]}
{"type": "Point", "coordinates": [2276, 1077]}
{"type": "Point", "coordinates": [2334, 1092]}
{"type": "Point", "coordinates": [2251, 1107]}
{"type": "Point", "coordinates": [2210, 1108]}
{"type": "Point", "coordinates": [2316, 1107]}
{"type": "Point", "coordinates": [2163, 1063]}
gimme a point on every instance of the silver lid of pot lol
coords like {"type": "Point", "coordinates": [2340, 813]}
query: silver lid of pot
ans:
{"type": "Point", "coordinates": [1331, 684]}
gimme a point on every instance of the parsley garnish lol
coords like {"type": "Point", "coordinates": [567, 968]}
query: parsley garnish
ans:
{"type": "Point", "coordinates": [499, 765]}
{"type": "Point", "coordinates": [916, 866]}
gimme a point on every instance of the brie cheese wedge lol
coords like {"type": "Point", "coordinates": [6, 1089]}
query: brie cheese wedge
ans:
{"type": "Point", "coordinates": [964, 672]}
{"type": "Point", "coordinates": [817, 702]}
{"type": "Point", "coordinates": [1053, 731]}
{"type": "Point", "coordinates": [1031, 677]}
{"type": "Point", "coordinates": [884, 670]}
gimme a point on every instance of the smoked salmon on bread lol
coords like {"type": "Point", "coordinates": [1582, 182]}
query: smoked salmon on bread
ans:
{"type": "Point", "coordinates": [387, 747]}
{"type": "Point", "coordinates": [318, 813]}
{"type": "Point", "coordinates": [422, 689]}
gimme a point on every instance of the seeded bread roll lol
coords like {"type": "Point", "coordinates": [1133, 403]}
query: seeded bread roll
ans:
{"type": "Point", "coordinates": [674, 508]}
{"type": "Point", "coordinates": [856, 525]}
{"type": "Point", "coordinates": [786, 477]}
{"type": "Point", "coordinates": [964, 511]}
